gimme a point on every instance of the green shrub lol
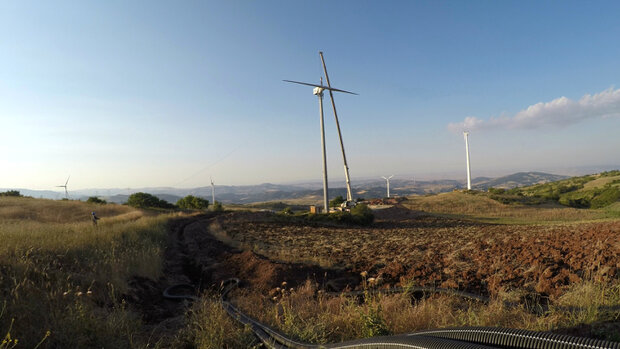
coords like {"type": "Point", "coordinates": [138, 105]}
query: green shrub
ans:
{"type": "Point", "coordinates": [96, 200]}
{"type": "Point", "coordinates": [191, 202]}
{"type": "Point", "coordinates": [145, 200]}
{"type": "Point", "coordinates": [497, 191]}
{"type": "Point", "coordinates": [607, 197]}
{"type": "Point", "coordinates": [610, 173]}
{"type": "Point", "coordinates": [575, 201]}
{"type": "Point", "coordinates": [11, 193]}
{"type": "Point", "coordinates": [373, 324]}
{"type": "Point", "coordinates": [568, 188]}
{"type": "Point", "coordinates": [287, 211]}
{"type": "Point", "coordinates": [503, 199]}
{"type": "Point", "coordinates": [341, 217]}
{"type": "Point", "coordinates": [217, 206]}
{"type": "Point", "coordinates": [362, 214]}
{"type": "Point", "coordinates": [359, 215]}
{"type": "Point", "coordinates": [336, 201]}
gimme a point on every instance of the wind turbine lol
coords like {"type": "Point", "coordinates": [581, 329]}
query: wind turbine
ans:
{"type": "Point", "coordinates": [344, 157]}
{"type": "Point", "coordinates": [388, 184]}
{"type": "Point", "coordinates": [466, 134]}
{"type": "Point", "coordinates": [212, 191]}
{"type": "Point", "coordinates": [65, 186]}
{"type": "Point", "coordinates": [318, 91]}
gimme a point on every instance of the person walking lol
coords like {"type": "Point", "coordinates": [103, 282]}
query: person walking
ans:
{"type": "Point", "coordinates": [94, 218]}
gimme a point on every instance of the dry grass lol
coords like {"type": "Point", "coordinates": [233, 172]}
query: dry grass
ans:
{"type": "Point", "coordinates": [308, 315]}
{"type": "Point", "coordinates": [61, 274]}
{"type": "Point", "coordinates": [484, 209]}
{"type": "Point", "coordinates": [52, 211]}
{"type": "Point", "coordinates": [208, 326]}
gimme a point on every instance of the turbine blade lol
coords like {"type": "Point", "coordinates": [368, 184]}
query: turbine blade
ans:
{"type": "Point", "coordinates": [338, 90]}
{"type": "Point", "coordinates": [305, 83]}
{"type": "Point", "coordinates": [67, 180]}
{"type": "Point", "coordinates": [321, 86]}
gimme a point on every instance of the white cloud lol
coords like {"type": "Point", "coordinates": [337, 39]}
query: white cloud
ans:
{"type": "Point", "coordinates": [559, 112]}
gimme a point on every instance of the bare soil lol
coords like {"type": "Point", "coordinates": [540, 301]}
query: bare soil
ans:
{"type": "Point", "coordinates": [405, 245]}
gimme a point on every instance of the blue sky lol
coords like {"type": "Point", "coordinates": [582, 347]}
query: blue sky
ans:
{"type": "Point", "coordinates": [153, 93]}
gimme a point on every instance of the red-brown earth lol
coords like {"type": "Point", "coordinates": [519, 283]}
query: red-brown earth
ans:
{"type": "Point", "coordinates": [404, 246]}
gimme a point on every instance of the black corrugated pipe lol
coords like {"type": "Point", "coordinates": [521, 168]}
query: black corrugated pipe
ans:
{"type": "Point", "coordinates": [517, 339]}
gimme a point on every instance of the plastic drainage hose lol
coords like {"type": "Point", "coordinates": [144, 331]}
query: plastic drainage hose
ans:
{"type": "Point", "coordinates": [517, 339]}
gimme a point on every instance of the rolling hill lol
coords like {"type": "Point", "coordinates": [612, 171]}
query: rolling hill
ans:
{"type": "Point", "coordinates": [306, 192]}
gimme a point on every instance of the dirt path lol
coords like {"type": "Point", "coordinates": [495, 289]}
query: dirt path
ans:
{"type": "Point", "coordinates": [194, 256]}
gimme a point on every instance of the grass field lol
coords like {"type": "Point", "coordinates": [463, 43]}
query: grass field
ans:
{"type": "Point", "coordinates": [61, 278]}
{"type": "Point", "coordinates": [306, 314]}
{"type": "Point", "coordinates": [63, 281]}
{"type": "Point", "coordinates": [480, 207]}
{"type": "Point", "coordinates": [600, 182]}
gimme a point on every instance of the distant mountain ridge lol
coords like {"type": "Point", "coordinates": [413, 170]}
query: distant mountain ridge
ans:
{"type": "Point", "coordinates": [308, 192]}
{"type": "Point", "coordinates": [520, 179]}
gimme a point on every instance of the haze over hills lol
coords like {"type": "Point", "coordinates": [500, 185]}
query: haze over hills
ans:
{"type": "Point", "coordinates": [516, 180]}
{"type": "Point", "coordinates": [307, 192]}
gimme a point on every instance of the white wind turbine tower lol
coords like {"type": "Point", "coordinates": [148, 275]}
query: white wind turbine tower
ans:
{"type": "Point", "coordinates": [466, 134]}
{"type": "Point", "coordinates": [212, 191]}
{"type": "Point", "coordinates": [318, 91]}
{"type": "Point", "coordinates": [388, 184]}
{"type": "Point", "coordinates": [344, 157]}
{"type": "Point", "coordinates": [65, 186]}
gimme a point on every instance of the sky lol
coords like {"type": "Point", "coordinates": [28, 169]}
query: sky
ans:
{"type": "Point", "coordinates": [120, 94]}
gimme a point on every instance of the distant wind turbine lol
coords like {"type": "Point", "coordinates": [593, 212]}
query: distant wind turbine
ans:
{"type": "Point", "coordinates": [466, 134]}
{"type": "Point", "coordinates": [212, 191]}
{"type": "Point", "coordinates": [388, 184]}
{"type": "Point", "coordinates": [65, 186]}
